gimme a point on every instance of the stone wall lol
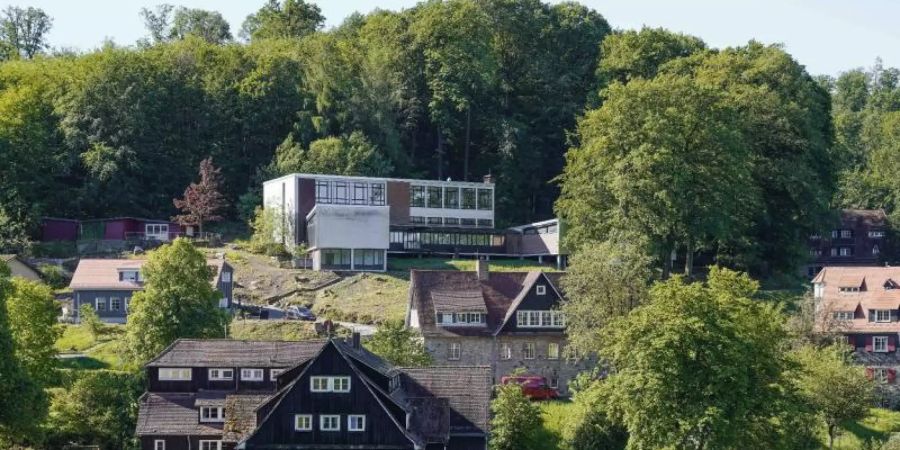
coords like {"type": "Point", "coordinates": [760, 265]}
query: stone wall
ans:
{"type": "Point", "coordinates": [487, 351]}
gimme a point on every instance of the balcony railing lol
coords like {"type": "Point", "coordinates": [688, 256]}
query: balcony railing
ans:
{"type": "Point", "coordinates": [164, 237]}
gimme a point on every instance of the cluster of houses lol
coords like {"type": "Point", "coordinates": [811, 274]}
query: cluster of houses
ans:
{"type": "Point", "coordinates": [479, 326]}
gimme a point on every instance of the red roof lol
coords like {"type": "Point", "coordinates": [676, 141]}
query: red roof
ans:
{"type": "Point", "coordinates": [104, 273]}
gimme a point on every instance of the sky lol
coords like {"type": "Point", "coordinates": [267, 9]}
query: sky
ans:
{"type": "Point", "coordinates": [827, 36]}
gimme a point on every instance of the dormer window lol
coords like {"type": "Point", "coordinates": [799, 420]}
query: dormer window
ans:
{"type": "Point", "coordinates": [848, 289]}
{"type": "Point", "coordinates": [890, 285]}
{"type": "Point", "coordinates": [212, 414]}
{"type": "Point", "coordinates": [541, 289]}
{"type": "Point", "coordinates": [843, 315]}
{"type": "Point", "coordinates": [462, 319]}
{"type": "Point", "coordinates": [130, 275]}
{"type": "Point", "coordinates": [882, 315]}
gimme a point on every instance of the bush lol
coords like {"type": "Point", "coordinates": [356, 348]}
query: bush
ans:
{"type": "Point", "coordinates": [516, 420]}
{"type": "Point", "coordinates": [53, 249]}
{"type": "Point", "coordinates": [90, 320]}
{"type": "Point", "coordinates": [268, 234]}
{"type": "Point", "coordinates": [54, 276]}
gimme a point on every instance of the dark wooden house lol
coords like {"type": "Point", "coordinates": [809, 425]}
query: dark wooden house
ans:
{"type": "Point", "coordinates": [857, 239]}
{"type": "Point", "coordinates": [317, 394]}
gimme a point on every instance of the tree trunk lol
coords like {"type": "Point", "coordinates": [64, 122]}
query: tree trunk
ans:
{"type": "Point", "coordinates": [440, 155]}
{"type": "Point", "coordinates": [689, 260]}
{"type": "Point", "coordinates": [830, 437]}
{"type": "Point", "coordinates": [667, 262]}
{"type": "Point", "coordinates": [468, 135]}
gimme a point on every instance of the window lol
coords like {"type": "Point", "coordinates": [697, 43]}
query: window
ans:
{"type": "Point", "coordinates": [226, 277]}
{"type": "Point", "coordinates": [451, 221]}
{"type": "Point", "coordinates": [880, 375]}
{"type": "Point", "coordinates": [876, 234]}
{"type": "Point", "coordinates": [212, 414]}
{"type": "Point", "coordinates": [251, 374]}
{"type": "Point", "coordinates": [540, 319]}
{"type": "Point", "coordinates": [882, 315]}
{"type": "Point", "coordinates": [100, 303]}
{"type": "Point", "coordinates": [174, 374]}
{"type": "Point", "coordinates": [541, 289]}
{"type": "Point", "coordinates": [528, 350]}
{"type": "Point", "coordinates": [846, 234]}
{"type": "Point", "coordinates": [377, 194]}
{"type": "Point", "coordinates": [834, 234]}
{"type": "Point", "coordinates": [131, 276]}
{"type": "Point", "coordinates": [157, 230]}
{"type": "Point", "coordinates": [356, 422]}
{"type": "Point", "coordinates": [846, 289]}
{"type": "Point", "coordinates": [505, 351]}
{"type": "Point", "coordinates": [468, 198]}
{"type": "Point", "coordinates": [451, 198]}
{"type": "Point", "coordinates": [115, 304]}
{"type": "Point", "coordinates": [815, 236]}
{"type": "Point", "coordinates": [329, 384]}
{"type": "Point", "coordinates": [159, 444]}
{"type": "Point", "coordinates": [221, 374]}
{"type": "Point", "coordinates": [843, 315]}
{"type": "Point", "coordinates": [336, 258]}
{"type": "Point", "coordinates": [553, 350]}
{"type": "Point", "coordinates": [210, 445]}
{"type": "Point", "coordinates": [880, 344]}
{"type": "Point", "coordinates": [366, 259]}
{"type": "Point", "coordinates": [435, 197]}
{"type": "Point", "coordinates": [875, 250]}
{"type": "Point", "coordinates": [435, 221]}
{"type": "Point", "coordinates": [303, 422]}
{"type": "Point", "coordinates": [341, 193]}
{"type": "Point", "coordinates": [330, 423]}
{"type": "Point", "coordinates": [461, 319]}
{"type": "Point", "coordinates": [360, 196]}
{"type": "Point", "coordinates": [554, 382]}
{"type": "Point", "coordinates": [486, 199]}
{"type": "Point", "coordinates": [487, 223]}
{"type": "Point", "coordinates": [454, 351]}
{"type": "Point", "coordinates": [273, 373]}
{"type": "Point", "coordinates": [417, 196]}
{"type": "Point", "coordinates": [834, 251]}
{"type": "Point", "coordinates": [846, 251]}
{"type": "Point", "coordinates": [417, 220]}
{"type": "Point", "coordinates": [467, 222]}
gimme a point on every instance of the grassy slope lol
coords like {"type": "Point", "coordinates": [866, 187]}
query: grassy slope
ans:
{"type": "Point", "coordinates": [271, 330]}
{"type": "Point", "coordinates": [103, 353]}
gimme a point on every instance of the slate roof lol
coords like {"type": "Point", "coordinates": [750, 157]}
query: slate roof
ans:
{"type": "Point", "coordinates": [171, 413]}
{"type": "Point", "coordinates": [501, 293]}
{"type": "Point", "coordinates": [104, 273]}
{"type": "Point", "coordinates": [466, 389]}
{"type": "Point", "coordinates": [458, 301]}
{"type": "Point", "coordinates": [231, 353]}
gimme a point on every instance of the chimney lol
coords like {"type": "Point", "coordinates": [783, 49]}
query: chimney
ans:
{"type": "Point", "coordinates": [355, 340]}
{"type": "Point", "coordinates": [488, 179]}
{"type": "Point", "coordinates": [481, 268]}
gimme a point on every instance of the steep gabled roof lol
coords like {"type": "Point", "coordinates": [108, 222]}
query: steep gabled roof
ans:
{"type": "Point", "coordinates": [467, 390]}
{"type": "Point", "coordinates": [849, 289]}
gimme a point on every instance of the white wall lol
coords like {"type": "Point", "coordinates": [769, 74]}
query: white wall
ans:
{"type": "Point", "coordinates": [285, 205]}
{"type": "Point", "coordinates": [357, 227]}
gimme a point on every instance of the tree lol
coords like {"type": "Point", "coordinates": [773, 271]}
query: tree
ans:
{"type": "Point", "coordinates": [640, 54]}
{"type": "Point", "coordinates": [32, 318]}
{"type": "Point", "coordinates": [352, 155]}
{"type": "Point", "coordinates": [178, 301]}
{"type": "Point", "coordinates": [90, 320]}
{"type": "Point", "coordinates": [590, 426]}
{"type": "Point", "coordinates": [603, 282]}
{"type": "Point", "coordinates": [663, 159]}
{"type": "Point", "coordinates": [23, 30]}
{"type": "Point", "coordinates": [22, 401]}
{"type": "Point", "coordinates": [399, 345]}
{"type": "Point", "coordinates": [515, 419]}
{"type": "Point", "coordinates": [202, 201]}
{"type": "Point", "coordinates": [164, 25]}
{"type": "Point", "coordinates": [98, 407]}
{"type": "Point", "coordinates": [836, 388]}
{"type": "Point", "coordinates": [699, 366]}
{"type": "Point", "coordinates": [287, 19]}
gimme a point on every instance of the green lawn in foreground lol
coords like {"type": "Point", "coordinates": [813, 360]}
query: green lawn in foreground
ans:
{"type": "Point", "coordinates": [879, 426]}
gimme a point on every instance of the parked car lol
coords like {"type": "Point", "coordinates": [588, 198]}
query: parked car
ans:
{"type": "Point", "coordinates": [299, 313]}
{"type": "Point", "coordinates": [533, 386]}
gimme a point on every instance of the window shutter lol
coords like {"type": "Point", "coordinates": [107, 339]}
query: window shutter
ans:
{"type": "Point", "coordinates": [121, 276]}
{"type": "Point", "coordinates": [868, 343]}
{"type": "Point", "coordinates": [871, 315]}
{"type": "Point", "coordinates": [870, 373]}
{"type": "Point", "coordinates": [891, 375]}
{"type": "Point", "coordinates": [851, 340]}
{"type": "Point", "coordinates": [892, 343]}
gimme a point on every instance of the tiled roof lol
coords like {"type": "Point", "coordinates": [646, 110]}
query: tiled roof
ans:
{"type": "Point", "coordinates": [104, 273]}
{"type": "Point", "coordinates": [231, 353]}
{"type": "Point", "coordinates": [471, 300]}
{"type": "Point", "coordinates": [500, 292]}
{"type": "Point", "coordinates": [172, 414]}
{"type": "Point", "coordinates": [871, 217]}
{"type": "Point", "coordinates": [872, 294]}
{"type": "Point", "coordinates": [467, 390]}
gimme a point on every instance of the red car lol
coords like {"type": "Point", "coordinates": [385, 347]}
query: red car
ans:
{"type": "Point", "coordinates": [533, 386]}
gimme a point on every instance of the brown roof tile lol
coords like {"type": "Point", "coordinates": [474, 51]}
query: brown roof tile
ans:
{"type": "Point", "coordinates": [172, 414]}
{"type": "Point", "coordinates": [231, 353]}
{"type": "Point", "coordinates": [872, 295]}
{"type": "Point", "coordinates": [104, 273]}
{"type": "Point", "coordinates": [467, 390]}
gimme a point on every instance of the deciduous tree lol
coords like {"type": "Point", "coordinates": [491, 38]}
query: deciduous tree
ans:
{"type": "Point", "coordinates": [178, 301]}
{"type": "Point", "coordinates": [399, 345]}
{"type": "Point", "coordinates": [23, 31]}
{"type": "Point", "coordinates": [203, 202]}
{"type": "Point", "coordinates": [515, 419]}
{"type": "Point", "coordinates": [32, 318]}
{"type": "Point", "coordinates": [285, 19]}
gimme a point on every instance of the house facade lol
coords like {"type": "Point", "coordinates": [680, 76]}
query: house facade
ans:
{"type": "Point", "coordinates": [317, 394]}
{"type": "Point", "coordinates": [863, 305]}
{"type": "Point", "coordinates": [858, 239]}
{"type": "Point", "coordinates": [353, 223]}
{"type": "Point", "coordinates": [107, 285]}
{"type": "Point", "coordinates": [109, 229]}
{"type": "Point", "coordinates": [505, 320]}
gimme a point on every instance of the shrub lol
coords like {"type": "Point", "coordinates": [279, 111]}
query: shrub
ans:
{"type": "Point", "coordinates": [90, 320]}
{"type": "Point", "coordinates": [54, 276]}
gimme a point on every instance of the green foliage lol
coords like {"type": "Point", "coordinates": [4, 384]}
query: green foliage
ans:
{"type": "Point", "coordinates": [353, 155]}
{"type": "Point", "coordinates": [178, 301]}
{"type": "Point", "coordinates": [287, 19]}
{"type": "Point", "coordinates": [640, 54]}
{"type": "Point", "coordinates": [97, 407]}
{"type": "Point", "coordinates": [23, 32]}
{"type": "Point", "coordinates": [270, 232]}
{"type": "Point", "coordinates": [54, 275]}
{"type": "Point", "coordinates": [90, 321]}
{"type": "Point", "coordinates": [399, 345]}
{"type": "Point", "coordinates": [603, 282]}
{"type": "Point", "coordinates": [515, 419]}
{"type": "Point", "coordinates": [32, 319]}
{"type": "Point", "coordinates": [589, 426]}
{"type": "Point", "coordinates": [700, 366]}
{"type": "Point", "coordinates": [167, 23]}
{"type": "Point", "coordinates": [836, 388]}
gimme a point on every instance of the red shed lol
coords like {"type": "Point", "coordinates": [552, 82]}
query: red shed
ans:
{"type": "Point", "coordinates": [57, 229]}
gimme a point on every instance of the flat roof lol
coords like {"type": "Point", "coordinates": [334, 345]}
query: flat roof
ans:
{"type": "Point", "coordinates": [314, 176]}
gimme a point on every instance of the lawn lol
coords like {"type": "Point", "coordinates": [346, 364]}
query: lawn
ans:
{"type": "Point", "coordinates": [271, 330]}
{"type": "Point", "coordinates": [555, 415]}
{"type": "Point", "coordinates": [499, 265]}
{"type": "Point", "coordinates": [879, 426]}
{"type": "Point", "coordinates": [365, 298]}
{"type": "Point", "coordinates": [106, 352]}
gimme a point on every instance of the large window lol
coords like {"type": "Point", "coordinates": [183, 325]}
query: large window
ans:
{"type": "Point", "coordinates": [435, 199]}
{"type": "Point", "coordinates": [528, 350]}
{"type": "Point", "coordinates": [553, 350]}
{"type": "Point", "coordinates": [346, 192]}
{"type": "Point", "coordinates": [323, 191]}
{"type": "Point", "coordinates": [882, 315]}
{"type": "Point", "coordinates": [210, 445]}
{"type": "Point", "coordinates": [329, 384]}
{"type": "Point", "coordinates": [540, 319]}
{"type": "Point", "coordinates": [486, 199]}
{"type": "Point", "coordinates": [376, 195]}
{"type": "Point", "coordinates": [468, 198]}
{"type": "Point", "coordinates": [451, 198]}
{"type": "Point", "coordinates": [330, 423]}
{"type": "Point", "coordinates": [174, 374]}
{"type": "Point", "coordinates": [159, 444]}
{"type": "Point", "coordinates": [417, 196]}
{"type": "Point", "coordinates": [303, 422]}
{"type": "Point", "coordinates": [336, 258]}
{"type": "Point", "coordinates": [356, 422]}
{"type": "Point", "coordinates": [464, 318]}
{"type": "Point", "coordinates": [454, 351]}
{"type": "Point", "coordinates": [364, 259]}
{"type": "Point", "coordinates": [252, 374]}
{"type": "Point", "coordinates": [360, 193]}
{"type": "Point", "coordinates": [212, 414]}
{"type": "Point", "coordinates": [115, 304]}
{"type": "Point", "coordinates": [880, 343]}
